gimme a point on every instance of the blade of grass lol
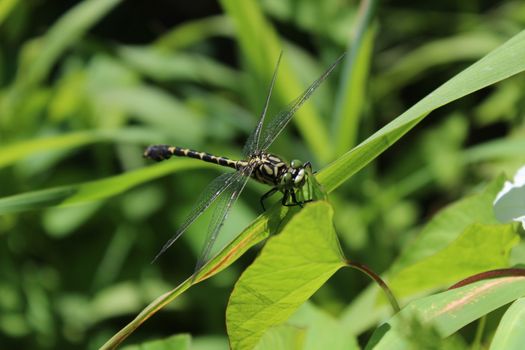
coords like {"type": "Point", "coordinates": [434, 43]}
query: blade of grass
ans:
{"type": "Point", "coordinates": [166, 66]}
{"type": "Point", "coordinates": [93, 190]}
{"type": "Point", "coordinates": [351, 95]}
{"type": "Point", "coordinates": [12, 153]}
{"type": "Point", "coordinates": [503, 62]}
{"type": "Point", "coordinates": [261, 47]}
{"type": "Point", "coordinates": [465, 47]}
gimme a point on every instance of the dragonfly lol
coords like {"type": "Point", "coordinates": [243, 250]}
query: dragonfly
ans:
{"type": "Point", "coordinates": [295, 179]}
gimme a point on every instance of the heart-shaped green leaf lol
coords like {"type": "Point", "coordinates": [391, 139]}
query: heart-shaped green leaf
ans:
{"type": "Point", "coordinates": [291, 267]}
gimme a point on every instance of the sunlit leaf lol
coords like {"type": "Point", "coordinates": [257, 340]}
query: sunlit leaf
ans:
{"type": "Point", "coordinates": [284, 337]}
{"type": "Point", "coordinates": [479, 248]}
{"type": "Point", "coordinates": [291, 267]}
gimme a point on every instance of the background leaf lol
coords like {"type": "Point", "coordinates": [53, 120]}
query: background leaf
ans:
{"type": "Point", "coordinates": [176, 342]}
{"type": "Point", "coordinates": [448, 311]}
{"type": "Point", "coordinates": [510, 332]}
{"type": "Point", "coordinates": [479, 248]}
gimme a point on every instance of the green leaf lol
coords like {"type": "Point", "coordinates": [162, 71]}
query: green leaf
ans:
{"type": "Point", "coordinates": [261, 47]}
{"type": "Point", "coordinates": [449, 223]}
{"type": "Point", "coordinates": [508, 147]}
{"type": "Point", "coordinates": [351, 97]}
{"type": "Point", "coordinates": [479, 248]}
{"type": "Point", "coordinates": [93, 190]}
{"type": "Point", "coordinates": [156, 107]}
{"type": "Point", "coordinates": [284, 337]}
{"type": "Point", "coordinates": [438, 233]}
{"type": "Point", "coordinates": [511, 330]}
{"type": "Point", "coordinates": [14, 152]}
{"type": "Point", "coordinates": [291, 267]}
{"type": "Point", "coordinates": [165, 66]}
{"type": "Point", "coordinates": [449, 311]}
{"type": "Point", "coordinates": [503, 62]}
{"type": "Point", "coordinates": [175, 342]}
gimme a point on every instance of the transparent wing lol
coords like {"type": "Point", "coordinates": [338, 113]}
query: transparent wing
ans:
{"type": "Point", "coordinates": [207, 197]}
{"type": "Point", "coordinates": [220, 213]}
{"type": "Point", "coordinates": [253, 140]}
{"type": "Point", "coordinates": [279, 122]}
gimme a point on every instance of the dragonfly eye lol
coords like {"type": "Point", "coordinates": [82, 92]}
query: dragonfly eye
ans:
{"type": "Point", "coordinates": [296, 164]}
{"type": "Point", "coordinates": [299, 177]}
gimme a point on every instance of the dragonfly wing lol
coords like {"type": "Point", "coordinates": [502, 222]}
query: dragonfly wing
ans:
{"type": "Point", "coordinates": [279, 122]}
{"type": "Point", "coordinates": [252, 143]}
{"type": "Point", "coordinates": [207, 197]}
{"type": "Point", "coordinates": [219, 215]}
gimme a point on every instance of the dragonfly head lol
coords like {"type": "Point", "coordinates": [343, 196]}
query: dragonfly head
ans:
{"type": "Point", "coordinates": [296, 174]}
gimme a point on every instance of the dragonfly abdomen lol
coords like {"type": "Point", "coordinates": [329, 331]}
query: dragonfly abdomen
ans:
{"type": "Point", "coordinates": [163, 152]}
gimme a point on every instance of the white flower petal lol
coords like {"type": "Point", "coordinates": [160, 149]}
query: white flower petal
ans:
{"type": "Point", "coordinates": [509, 204]}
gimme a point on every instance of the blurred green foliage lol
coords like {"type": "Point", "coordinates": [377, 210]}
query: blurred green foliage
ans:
{"type": "Point", "coordinates": [85, 85]}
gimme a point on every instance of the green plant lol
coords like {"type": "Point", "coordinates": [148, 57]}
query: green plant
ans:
{"type": "Point", "coordinates": [75, 105]}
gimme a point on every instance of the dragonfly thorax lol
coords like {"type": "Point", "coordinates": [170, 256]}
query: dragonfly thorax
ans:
{"type": "Point", "coordinates": [271, 170]}
{"type": "Point", "coordinates": [267, 168]}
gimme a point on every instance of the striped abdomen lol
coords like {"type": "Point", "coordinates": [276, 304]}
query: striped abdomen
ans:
{"type": "Point", "coordinates": [162, 152]}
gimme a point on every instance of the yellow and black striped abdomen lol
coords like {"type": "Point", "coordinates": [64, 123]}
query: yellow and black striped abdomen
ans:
{"type": "Point", "coordinates": [163, 152]}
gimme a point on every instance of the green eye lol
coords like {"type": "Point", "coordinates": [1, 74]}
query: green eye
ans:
{"type": "Point", "coordinates": [296, 164]}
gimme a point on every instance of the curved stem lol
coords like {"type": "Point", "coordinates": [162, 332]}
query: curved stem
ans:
{"type": "Point", "coordinates": [363, 268]}
{"type": "Point", "coordinates": [489, 274]}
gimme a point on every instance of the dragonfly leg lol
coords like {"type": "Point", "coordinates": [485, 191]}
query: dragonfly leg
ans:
{"type": "Point", "coordinates": [266, 195]}
{"type": "Point", "coordinates": [286, 195]}
{"type": "Point", "coordinates": [294, 201]}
